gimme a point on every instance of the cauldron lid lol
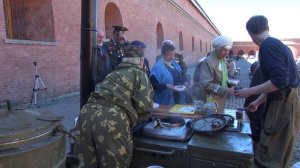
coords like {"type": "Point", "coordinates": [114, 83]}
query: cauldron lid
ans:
{"type": "Point", "coordinates": [23, 125]}
{"type": "Point", "coordinates": [210, 123]}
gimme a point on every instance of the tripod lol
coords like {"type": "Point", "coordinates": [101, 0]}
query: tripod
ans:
{"type": "Point", "coordinates": [36, 86]}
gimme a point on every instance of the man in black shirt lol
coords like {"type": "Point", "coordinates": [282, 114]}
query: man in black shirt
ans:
{"type": "Point", "coordinates": [280, 120]}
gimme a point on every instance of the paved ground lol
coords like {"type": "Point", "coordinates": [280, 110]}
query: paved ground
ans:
{"type": "Point", "coordinates": [70, 107]}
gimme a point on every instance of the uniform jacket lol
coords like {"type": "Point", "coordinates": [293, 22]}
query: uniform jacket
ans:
{"type": "Point", "coordinates": [105, 122]}
{"type": "Point", "coordinates": [115, 51]}
{"type": "Point", "coordinates": [129, 87]}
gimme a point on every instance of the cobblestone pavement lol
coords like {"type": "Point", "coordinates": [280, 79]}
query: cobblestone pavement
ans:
{"type": "Point", "coordinates": [70, 108]}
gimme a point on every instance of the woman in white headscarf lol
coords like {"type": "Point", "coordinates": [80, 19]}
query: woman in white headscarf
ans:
{"type": "Point", "coordinates": [211, 75]}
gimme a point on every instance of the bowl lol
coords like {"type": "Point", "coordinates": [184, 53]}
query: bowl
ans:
{"type": "Point", "coordinates": [180, 88]}
{"type": "Point", "coordinates": [155, 105]}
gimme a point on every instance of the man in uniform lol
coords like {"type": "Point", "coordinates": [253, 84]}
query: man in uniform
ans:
{"type": "Point", "coordinates": [101, 65]}
{"type": "Point", "coordinates": [146, 62]}
{"type": "Point", "coordinates": [280, 119]}
{"type": "Point", "coordinates": [124, 98]}
{"type": "Point", "coordinates": [115, 46]}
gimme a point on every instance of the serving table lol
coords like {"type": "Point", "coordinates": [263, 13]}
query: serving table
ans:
{"type": "Point", "coordinates": [222, 149]}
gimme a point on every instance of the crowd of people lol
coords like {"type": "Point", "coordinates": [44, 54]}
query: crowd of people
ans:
{"type": "Point", "coordinates": [126, 88]}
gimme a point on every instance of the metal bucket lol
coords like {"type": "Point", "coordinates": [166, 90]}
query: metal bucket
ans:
{"type": "Point", "coordinates": [29, 139]}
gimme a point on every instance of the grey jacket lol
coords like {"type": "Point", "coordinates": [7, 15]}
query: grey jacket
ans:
{"type": "Point", "coordinates": [208, 81]}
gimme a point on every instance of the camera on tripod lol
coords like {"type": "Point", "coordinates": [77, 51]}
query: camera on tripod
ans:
{"type": "Point", "coordinates": [36, 86]}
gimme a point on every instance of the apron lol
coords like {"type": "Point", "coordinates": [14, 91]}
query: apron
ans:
{"type": "Point", "coordinates": [280, 127]}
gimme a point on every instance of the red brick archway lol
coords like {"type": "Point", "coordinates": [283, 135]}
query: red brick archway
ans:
{"type": "Point", "coordinates": [112, 17]}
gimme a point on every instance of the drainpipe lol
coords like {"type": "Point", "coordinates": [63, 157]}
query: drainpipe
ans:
{"type": "Point", "coordinates": [87, 47]}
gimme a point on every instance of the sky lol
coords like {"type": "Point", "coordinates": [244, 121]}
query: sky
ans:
{"type": "Point", "coordinates": [230, 16]}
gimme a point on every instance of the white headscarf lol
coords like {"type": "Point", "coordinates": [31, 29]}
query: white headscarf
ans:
{"type": "Point", "coordinates": [222, 42]}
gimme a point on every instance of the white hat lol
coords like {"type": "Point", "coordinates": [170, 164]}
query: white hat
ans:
{"type": "Point", "coordinates": [222, 42]}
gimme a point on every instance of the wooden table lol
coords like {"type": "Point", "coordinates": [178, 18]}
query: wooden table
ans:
{"type": "Point", "coordinates": [164, 110]}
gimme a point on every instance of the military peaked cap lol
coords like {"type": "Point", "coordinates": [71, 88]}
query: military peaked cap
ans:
{"type": "Point", "coordinates": [119, 28]}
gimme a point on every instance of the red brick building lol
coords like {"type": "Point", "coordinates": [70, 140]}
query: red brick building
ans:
{"type": "Point", "coordinates": [249, 48]}
{"type": "Point", "coordinates": [48, 32]}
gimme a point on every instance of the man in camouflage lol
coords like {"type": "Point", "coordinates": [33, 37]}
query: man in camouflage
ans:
{"type": "Point", "coordinates": [115, 46]}
{"type": "Point", "coordinates": [123, 98]}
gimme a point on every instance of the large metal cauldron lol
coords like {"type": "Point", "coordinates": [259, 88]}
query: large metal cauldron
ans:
{"type": "Point", "coordinates": [29, 139]}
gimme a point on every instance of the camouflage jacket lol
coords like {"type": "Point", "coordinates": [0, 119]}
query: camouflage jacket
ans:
{"type": "Point", "coordinates": [129, 88]}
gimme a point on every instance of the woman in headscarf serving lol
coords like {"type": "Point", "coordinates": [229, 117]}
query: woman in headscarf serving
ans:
{"type": "Point", "coordinates": [211, 75]}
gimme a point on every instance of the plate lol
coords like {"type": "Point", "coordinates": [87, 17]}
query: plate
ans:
{"type": "Point", "coordinates": [155, 105]}
{"type": "Point", "coordinates": [208, 123]}
{"type": "Point", "coordinates": [180, 88]}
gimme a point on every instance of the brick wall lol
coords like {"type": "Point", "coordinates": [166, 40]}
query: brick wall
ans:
{"type": "Point", "coordinates": [247, 46]}
{"type": "Point", "coordinates": [59, 61]}
{"type": "Point", "coordinates": [142, 19]}
{"type": "Point", "coordinates": [39, 23]}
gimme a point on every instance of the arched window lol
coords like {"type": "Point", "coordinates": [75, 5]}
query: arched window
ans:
{"type": "Point", "coordinates": [240, 52]}
{"type": "Point", "coordinates": [193, 44]}
{"type": "Point", "coordinates": [112, 17]}
{"type": "Point", "coordinates": [159, 35]}
{"type": "Point", "coordinates": [251, 52]}
{"type": "Point", "coordinates": [200, 45]}
{"type": "Point", "coordinates": [180, 41]}
{"type": "Point", "coordinates": [29, 20]}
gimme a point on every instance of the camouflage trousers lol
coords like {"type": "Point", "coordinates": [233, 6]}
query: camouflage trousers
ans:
{"type": "Point", "coordinates": [105, 137]}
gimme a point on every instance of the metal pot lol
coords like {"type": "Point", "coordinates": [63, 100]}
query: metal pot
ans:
{"type": "Point", "coordinates": [169, 121]}
{"type": "Point", "coordinates": [233, 82]}
{"type": "Point", "coordinates": [29, 139]}
{"type": "Point", "coordinates": [167, 127]}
